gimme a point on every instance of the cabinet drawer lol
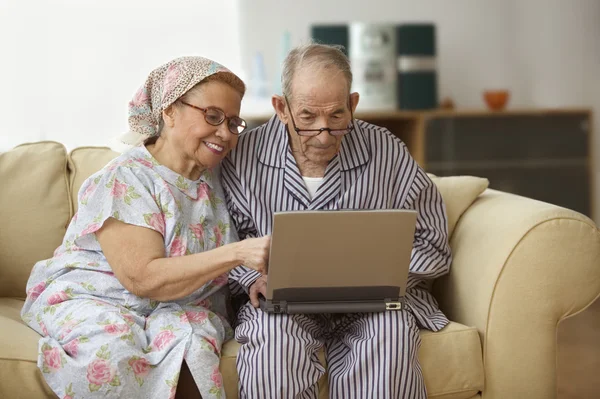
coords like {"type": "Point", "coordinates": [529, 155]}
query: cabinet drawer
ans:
{"type": "Point", "coordinates": [511, 137]}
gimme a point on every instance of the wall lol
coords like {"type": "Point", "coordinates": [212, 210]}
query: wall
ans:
{"type": "Point", "coordinates": [547, 52]}
{"type": "Point", "coordinates": [70, 67]}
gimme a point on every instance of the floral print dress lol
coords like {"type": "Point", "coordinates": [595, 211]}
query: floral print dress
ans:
{"type": "Point", "coordinates": [100, 340]}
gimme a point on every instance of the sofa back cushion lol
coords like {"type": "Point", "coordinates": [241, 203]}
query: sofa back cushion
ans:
{"type": "Point", "coordinates": [85, 161]}
{"type": "Point", "coordinates": [459, 193]}
{"type": "Point", "coordinates": [34, 210]}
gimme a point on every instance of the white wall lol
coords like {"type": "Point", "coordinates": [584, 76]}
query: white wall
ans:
{"type": "Point", "coordinates": [69, 67]}
{"type": "Point", "coordinates": [547, 52]}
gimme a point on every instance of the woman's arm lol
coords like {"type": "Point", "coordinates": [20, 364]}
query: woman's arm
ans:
{"type": "Point", "coordinates": [137, 257]}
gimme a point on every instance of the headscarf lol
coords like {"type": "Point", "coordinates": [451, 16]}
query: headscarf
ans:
{"type": "Point", "coordinates": [163, 87]}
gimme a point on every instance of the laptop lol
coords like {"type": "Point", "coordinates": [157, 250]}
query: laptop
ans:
{"type": "Point", "coordinates": [340, 261]}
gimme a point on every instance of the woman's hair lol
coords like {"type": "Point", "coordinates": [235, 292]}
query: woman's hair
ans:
{"type": "Point", "coordinates": [228, 78]}
{"type": "Point", "coordinates": [314, 55]}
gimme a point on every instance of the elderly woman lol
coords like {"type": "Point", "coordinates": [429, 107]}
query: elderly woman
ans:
{"type": "Point", "coordinates": [137, 291]}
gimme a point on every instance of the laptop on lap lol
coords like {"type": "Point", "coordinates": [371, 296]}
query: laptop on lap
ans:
{"type": "Point", "coordinates": [342, 261]}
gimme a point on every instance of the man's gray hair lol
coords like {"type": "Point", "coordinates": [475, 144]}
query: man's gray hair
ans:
{"type": "Point", "coordinates": [314, 55]}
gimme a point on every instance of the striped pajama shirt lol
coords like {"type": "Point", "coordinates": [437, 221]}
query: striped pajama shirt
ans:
{"type": "Point", "coordinates": [370, 355]}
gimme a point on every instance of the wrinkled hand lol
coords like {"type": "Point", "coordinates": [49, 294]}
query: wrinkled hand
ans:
{"type": "Point", "coordinates": [255, 253]}
{"type": "Point", "coordinates": [259, 287]}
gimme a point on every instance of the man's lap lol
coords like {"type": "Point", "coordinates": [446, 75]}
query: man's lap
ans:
{"type": "Point", "coordinates": [252, 321]}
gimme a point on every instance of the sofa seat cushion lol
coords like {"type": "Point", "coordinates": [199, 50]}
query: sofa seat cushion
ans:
{"type": "Point", "coordinates": [35, 209]}
{"type": "Point", "coordinates": [21, 377]}
{"type": "Point", "coordinates": [451, 360]}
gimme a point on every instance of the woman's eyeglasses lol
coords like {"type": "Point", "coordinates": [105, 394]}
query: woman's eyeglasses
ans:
{"type": "Point", "coordinates": [214, 116]}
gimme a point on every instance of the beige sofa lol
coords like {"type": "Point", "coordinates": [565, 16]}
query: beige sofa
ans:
{"type": "Point", "coordinates": [520, 267]}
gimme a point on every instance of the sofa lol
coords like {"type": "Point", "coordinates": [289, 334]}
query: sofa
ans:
{"type": "Point", "coordinates": [520, 267]}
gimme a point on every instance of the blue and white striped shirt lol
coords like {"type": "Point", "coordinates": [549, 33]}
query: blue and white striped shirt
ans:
{"type": "Point", "coordinates": [373, 170]}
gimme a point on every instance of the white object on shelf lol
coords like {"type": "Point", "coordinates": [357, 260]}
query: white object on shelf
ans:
{"type": "Point", "coordinates": [373, 59]}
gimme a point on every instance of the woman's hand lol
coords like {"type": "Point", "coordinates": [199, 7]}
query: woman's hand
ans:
{"type": "Point", "coordinates": [254, 253]}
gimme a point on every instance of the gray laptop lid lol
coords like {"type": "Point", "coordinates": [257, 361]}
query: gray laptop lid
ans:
{"type": "Point", "coordinates": [342, 255]}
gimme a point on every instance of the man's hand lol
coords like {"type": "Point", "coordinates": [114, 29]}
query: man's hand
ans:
{"type": "Point", "coordinates": [258, 287]}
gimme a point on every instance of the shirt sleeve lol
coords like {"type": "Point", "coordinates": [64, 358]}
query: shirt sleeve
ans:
{"type": "Point", "coordinates": [431, 255]}
{"type": "Point", "coordinates": [241, 278]}
{"type": "Point", "coordinates": [119, 192]}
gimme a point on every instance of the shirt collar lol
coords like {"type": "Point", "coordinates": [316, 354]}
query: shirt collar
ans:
{"type": "Point", "coordinates": [188, 187]}
{"type": "Point", "coordinates": [273, 145]}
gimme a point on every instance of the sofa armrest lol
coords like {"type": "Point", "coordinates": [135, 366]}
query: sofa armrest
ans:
{"type": "Point", "coordinates": [520, 267]}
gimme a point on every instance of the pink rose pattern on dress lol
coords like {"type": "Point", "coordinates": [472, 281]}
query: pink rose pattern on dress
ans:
{"type": "Point", "coordinates": [116, 329]}
{"type": "Point", "coordinates": [36, 290]}
{"type": "Point", "coordinates": [119, 190]}
{"type": "Point", "coordinates": [92, 228]}
{"type": "Point", "coordinates": [69, 393]}
{"type": "Point", "coordinates": [43, 328]}
{"type": "Point", "coordinates": [88, 191]}
{"type": "Point", "coordinates": [198, 232]}
{"type": "Point", "coordinates": [217, 380]}
{"type": "Point", "coordinates": [146, 162]}
{"type": "Point", "coordinates": [100, 372]}
{"type": "Point", "coordinates": [67, 328]}
{"type": "Point", "coordinates": [140, 366]}
{"type": "Point", "coordinates": [202, 192]}
{"type": "Point", "coordinates": [156, 221]}
{"type": "Point", "coordinates": [52, 359]}
{"type": "Point", "coordinates": [72, 348]}
{"type": "Point", "coordinates": [196, 317]}
{"type": "Point", "coordinates": [129, 318]}
{"type": "Point", "coordinates": [80, 362]}
{"type": "Point", "coordinates": [177, 248]}
{"type": "Point", "coordinates": [162, 340]}
{"type": "Point", "coordinates": [57, 298]}
{"type": "Point", "coordinates": [214, 345]}
{"type": "Point", "coordinates": [218, 236]}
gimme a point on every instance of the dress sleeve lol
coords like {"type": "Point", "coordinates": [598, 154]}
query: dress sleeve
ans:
{"type": "Point", "coordinates": [122, 193]}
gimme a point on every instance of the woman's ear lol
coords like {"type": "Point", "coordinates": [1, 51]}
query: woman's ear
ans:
{"type": "Point", "coordinates": [279, 105]}
{"type": "Point", "coordinates": [168, 116]}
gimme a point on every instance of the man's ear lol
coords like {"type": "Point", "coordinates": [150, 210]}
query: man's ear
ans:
{"type": "Point", "coordinates": [279, 105]}
{"type": "Point", "coordinates": [354, 97]}
{"type": "Point", "coordinates": [168, 115]}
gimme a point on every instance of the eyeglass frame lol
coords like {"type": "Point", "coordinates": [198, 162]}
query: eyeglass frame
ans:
{"type": "Point", "coordinates": [224, 116]}
{"type": "Point", "coordinates": [321, 130]}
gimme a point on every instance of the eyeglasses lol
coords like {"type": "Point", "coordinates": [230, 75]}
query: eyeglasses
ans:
{"type": "Point", "coordinates": [316, 132]}
{"type": "Point", "coordinates": [214, 116]}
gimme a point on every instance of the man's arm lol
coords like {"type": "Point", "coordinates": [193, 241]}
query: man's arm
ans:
{"type": "Point", "coordinates": [431, 256]}
{"type": "Point", "coordinates": [242, 277]}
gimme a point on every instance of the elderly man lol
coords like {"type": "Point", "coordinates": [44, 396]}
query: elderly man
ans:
{"type": "Point", "coordinates": [314, 155]}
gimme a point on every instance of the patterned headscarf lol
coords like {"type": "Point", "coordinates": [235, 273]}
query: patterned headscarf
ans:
{"type": "Point", "coordinates": [163, 87]}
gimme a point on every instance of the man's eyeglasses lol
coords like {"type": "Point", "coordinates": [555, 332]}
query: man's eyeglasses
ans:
{"type": "Point", "coordinates": [316, 132]}
{"type": "Point", "coordinates": [214, 116]}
